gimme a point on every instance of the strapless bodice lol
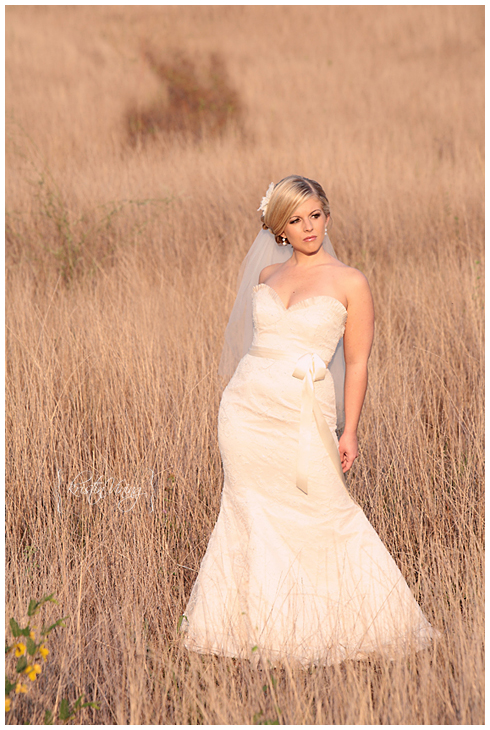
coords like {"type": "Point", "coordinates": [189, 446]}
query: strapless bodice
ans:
{"type": "Point", "coordinates": [315, 324]}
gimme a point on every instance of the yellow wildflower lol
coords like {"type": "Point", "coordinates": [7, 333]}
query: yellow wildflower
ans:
{"type": "Point", "coordinates": [20, 688]}
{"type": "Point", "coordinates": [7, 704]}
{"type": "Point", "coordinates": [32, 635]}
{"type": "Point", "coordinates": [32, 671]}
{"type": "Point", "coordinates": [43, 651]}
{"type": "Point", "coordinates": [19, 649]}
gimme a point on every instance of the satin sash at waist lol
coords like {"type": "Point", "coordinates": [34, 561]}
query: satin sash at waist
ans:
{"type": "Point", "coordinates": [308, 368]}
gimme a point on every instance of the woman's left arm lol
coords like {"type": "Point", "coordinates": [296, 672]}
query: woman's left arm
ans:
{"type": "Point", "coordinates": [358, 338]}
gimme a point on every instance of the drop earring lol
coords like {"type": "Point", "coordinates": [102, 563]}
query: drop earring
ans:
{"type": "Point", "coordinates": [284, 241]}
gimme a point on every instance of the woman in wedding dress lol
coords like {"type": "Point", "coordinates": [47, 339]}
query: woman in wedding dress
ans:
{"type": "Point", "coordinates": [293, 570]}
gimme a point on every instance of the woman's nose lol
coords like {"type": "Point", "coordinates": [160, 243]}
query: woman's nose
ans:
{"type": "Point", "coordinates": [308, 225]}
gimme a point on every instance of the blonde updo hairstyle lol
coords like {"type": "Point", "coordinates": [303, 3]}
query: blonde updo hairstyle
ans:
{"type": "Point", "coordinates": [286, 196]}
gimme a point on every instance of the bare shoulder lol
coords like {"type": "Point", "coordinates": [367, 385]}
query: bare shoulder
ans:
{"type": "Point", "coordinates": [356, 287]}
{"type": "Point", "coordinates": [353, 278]}
{"type": "Point", "coordinates": [267, 271]}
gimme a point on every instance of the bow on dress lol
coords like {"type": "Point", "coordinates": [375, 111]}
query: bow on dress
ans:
{"type": "Point", "coordinates": [308, 368]}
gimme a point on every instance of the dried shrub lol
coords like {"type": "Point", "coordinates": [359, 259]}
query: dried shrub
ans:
{"type": "Point", "coordinates": [191, 103]}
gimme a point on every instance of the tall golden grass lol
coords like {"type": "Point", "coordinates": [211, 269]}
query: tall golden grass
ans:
{"type": "Point", "coordinates": [121, 262]}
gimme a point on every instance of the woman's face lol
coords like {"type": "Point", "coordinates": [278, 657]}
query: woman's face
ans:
{"type": "Point", "coordinates": [305, 229]}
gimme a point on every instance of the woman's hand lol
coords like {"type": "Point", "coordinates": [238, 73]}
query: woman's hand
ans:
{"type": "Point", "coordinates": [348, 449]}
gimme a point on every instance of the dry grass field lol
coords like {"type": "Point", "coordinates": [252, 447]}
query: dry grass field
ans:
{"type": "Point", "coordinates": [139, 142]}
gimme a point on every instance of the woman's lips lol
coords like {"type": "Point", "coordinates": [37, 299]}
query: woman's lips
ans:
{"type": "Point", "coordinates": [311, 238]}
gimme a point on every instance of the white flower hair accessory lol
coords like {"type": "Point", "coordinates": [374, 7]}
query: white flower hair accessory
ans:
{"type": "Point", "coordinates": [265, 200]}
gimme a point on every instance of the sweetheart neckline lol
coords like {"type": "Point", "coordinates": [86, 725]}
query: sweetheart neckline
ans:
{"type": "Point", "coordinates": [307, 299]}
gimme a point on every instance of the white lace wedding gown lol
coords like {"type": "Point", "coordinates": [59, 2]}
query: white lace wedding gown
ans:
{"type": "Point", "coordinates": [290, 575]}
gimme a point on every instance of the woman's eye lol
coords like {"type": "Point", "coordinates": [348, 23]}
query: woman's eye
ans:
{"type": "Point", "coordinates": [295, 220]}
{"type": "Point", "coordinates": [315, 215]}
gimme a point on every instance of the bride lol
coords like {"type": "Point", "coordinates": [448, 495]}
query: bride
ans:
{"type": "Point", "coordinates": [294, 570]}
